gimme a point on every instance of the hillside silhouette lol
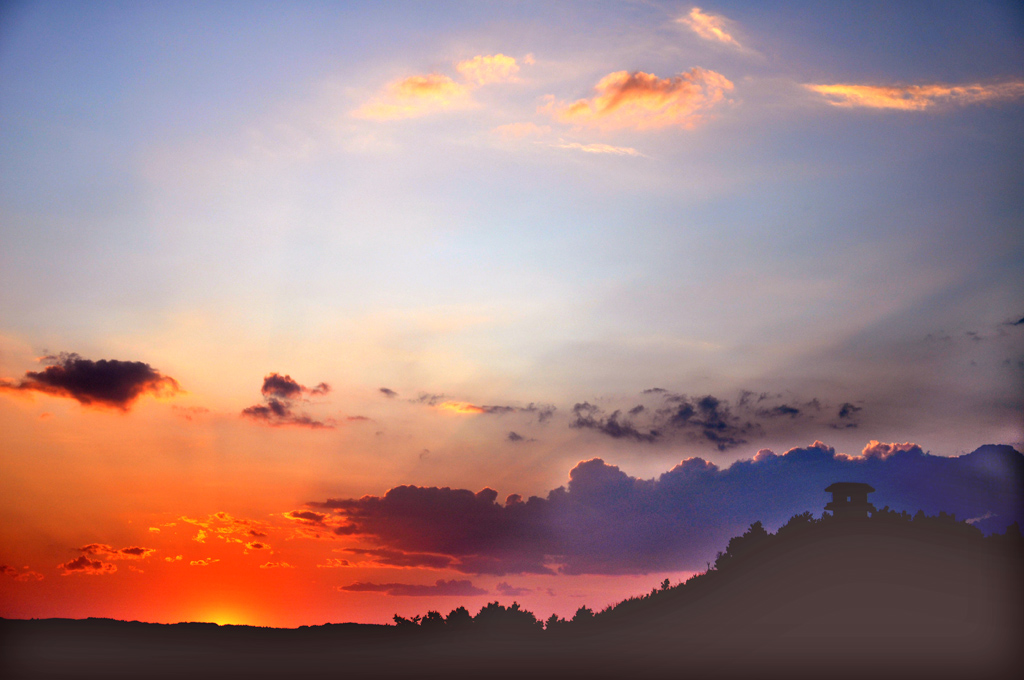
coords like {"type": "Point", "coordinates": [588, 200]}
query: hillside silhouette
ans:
{"type": "Point", "coordinates": [886, 596]}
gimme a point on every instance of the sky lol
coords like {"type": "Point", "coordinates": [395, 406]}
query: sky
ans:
{"type": "Point", "coordinates": [319, 312]}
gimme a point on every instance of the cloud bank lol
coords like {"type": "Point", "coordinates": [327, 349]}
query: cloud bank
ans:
{"type": "Point", "coordinates": [607, 522]}
{"type": "Point", "coordinates": [107, 382]}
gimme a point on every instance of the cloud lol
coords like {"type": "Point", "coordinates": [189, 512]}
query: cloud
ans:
{"type": "Point", "coordinates": [515, 437]}
{"type": "Point", "coordinates": [130, 553]}
{"type": "Point", "coordinates": [588, 416]}
{"type": "Point", "coordinates": [846, 418]}
{"type": "Point", "coordinates": [284, 387]}
{"type": "Point", "coordinates": [229, 529]}
{"type": "Point", "coordinates": [334, 563]}
{"type": "Point", "coordinates": [416, 96]}
{"type": "Point", "coordinates": [709, 26]}
{"type": "Point", "coordinates": [306, 516]}
{"type": "Point", "coordinates": [511, 591]}
{"type": "Point", "coordinates": [111, 383]}
{"type": "Point", "coordinates": [421, 95]}
{"type": "Point", "coordinates": [205, 562]}
{"type": "Point", "coordinates": [484, 69]}
{"type": "Point", "coordinates": [276, 565]}
{"type": "Point", "coordinates": [709, 419]}
{"type": "Point", "coordinates": [543, 412]}
{"type": "Point", "coordinates": [605, 521]}
{"type": "Point", "coordinates": [390, 394]}
{"type": "Point", "coordinates": [643, 101]}
{"type": "Point", "coordinates": [600, 148]}
{"type": "Point", "coordinates": [83, 565]}
{"type": "Point", "coordinates": [398, 558]}
{"type": "Point", "coordinates": [441, 587]}
{"type": "Point", "coordinates": [26, 575]}
{"type": "Point", "coordinates": [280, 392]}
{"type": "Point", "coordinates": [916, 97]}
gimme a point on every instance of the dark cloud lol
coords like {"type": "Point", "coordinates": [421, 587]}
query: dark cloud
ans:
{"type": "Point", "coordinates": [779, 411]}
{"type": "Point", "coordinates": [1019, 323]}
{"type": "Point", "coordinates": [390, 394]}
{"type": "Point", "coordinates": [307, 516]}
{"type": "Point", "coordinates": [284, 387]}
{"type": "Point", "coordinates": [542, 411]}
{"type": "Point", "coordinates": [847, 417]}
{"type": "Point", "coordinates": [130, 553]}
{"type": "Point", "coordinates": [607, 522]}
{"type": "Point", "coordinates": [106, 382]}
{"type": "Point", "coordinates": [26, 575]}
{"type": "Point", "coordinates": [709, 419]}
{"type": "Point", "coordinates": [281, 386]}
{"type": "Point", "coordinates": [515, 437]}
{"type": "Point", "coordinates": [511, 591]}
{"type": "Point", "coordinates": [83, 565]}
{"type": "Point", "coordinates": [441, 587]}
{"type": "Point", "coordinates": [280, 392]}
{"type": "Point", "coordinates": [588, 416]}
{"type": "Point", "coordinates": [398, 558]}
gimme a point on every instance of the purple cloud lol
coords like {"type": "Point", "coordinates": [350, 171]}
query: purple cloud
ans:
{"type": "Point", "coordinates": [607, 522]}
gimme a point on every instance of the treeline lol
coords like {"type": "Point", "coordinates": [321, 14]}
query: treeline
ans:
{"type": "Point", "coordinates": [741, 553]}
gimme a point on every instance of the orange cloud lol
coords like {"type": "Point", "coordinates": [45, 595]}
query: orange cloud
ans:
{"type": "Point", "coordinates": [203, 562]}
{"type": "Point", "coordinates": [492, 68]}
{"type": "Point", "coordinates": [643, 101]}
{"type": "Point", "coordinates": [425, 94]}
{"type": "Point", "coordinates": [461, 407]}
{"type": "Point", "coordinates": [416, 96]}
{"type": "Point", "coordinates": [915, 97]}
{"type": "Point", "coordinates": [708, 26]}
{"type": "Point", "coordinates": [600, 148]}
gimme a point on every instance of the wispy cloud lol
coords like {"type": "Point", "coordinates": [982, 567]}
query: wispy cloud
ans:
{"type": "Point", "coordinates": [441, 587]}
{"type": "Point", "coordinates": [492, 68]}
{"type": "Point", "coordinates": [600, 148]}
{"type": "Point", "coordinates": [915, 97]}
{"type": "Point", "coordinates": [416, 96]}
{"type": "Point", "coordinates": [709, 26]}
{"type": "Point", "coordinates": [421, 95]}
{"type": "Point", "coordinates": [643, 101]}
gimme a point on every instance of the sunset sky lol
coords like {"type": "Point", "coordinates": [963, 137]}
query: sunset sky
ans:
{"type": "Point", "coordinates": [320, 312]}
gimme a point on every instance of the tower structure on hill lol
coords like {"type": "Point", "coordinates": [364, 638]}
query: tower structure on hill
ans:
{"type": "Point", "coordinates": [850, 500]}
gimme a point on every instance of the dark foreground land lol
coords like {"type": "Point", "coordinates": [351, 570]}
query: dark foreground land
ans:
{"type": "Point", "coordinates": [881, 598]}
